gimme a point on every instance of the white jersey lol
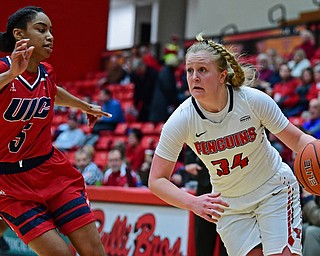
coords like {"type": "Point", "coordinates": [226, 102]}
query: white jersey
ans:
{"type": "Point", "coordinates": [235, 149]}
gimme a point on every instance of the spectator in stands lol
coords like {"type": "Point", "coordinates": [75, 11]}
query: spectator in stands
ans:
{"type": "Point", "coordinates": [90, 150]}
{"type": "Point", "coordinates": [263, 65]}
{"type": "Point", "coordinates": [274, 58]}
{"type": "Point", "coordinates": [112, 105]}
{"type": "Point", "coordinates": [134, 149]}
{"type": "Point", "coordinates": [4, 246]}
{"type": "Point", "coordinates": [182, 84]}
{"type": "Point", "coordinates": [183, 89]}
{"type": "Point", "coordinates": [312, 125]}
{"type": "Point", "coordinates": [302, 92]}
{"type": "Point", "coordinates": [253, 80]}
{"type": "Point", "coordinates": [70, 138]}
{"type": "Point", "coordinates": [178, 173]}
{"type": "Point", "coordinates": [315, 88]}
{"type": "Point", "coordinates": [89, 170]}
{"type": "Point", "coordinates": [118, 173]}
{"type": "Point", "coordinates": [298, 63]}
{"type": "Point", "coordinates": [275, 62]}
{"type": "Point", "coordinates": [307, 43]}
{"type": "Point", "coordinates": [284, 91]}
{"type": "Point", "coordinates": [115, 73]}
{"type": "Point", "coordinates": [311, 225]}
{"type": "Point", "coordinates": [177, 177]}
{"type": "Point", "coordinates": [172, 48]}
{"type": "Point", "coordinates": [315, 60]}
{"type": "Point", "coordinates": [144, 169]}
{"type": "Point", "coordinates": [148, 58]}
{"type": "Point", "coordinates": [144, 78]}
{"type": "Point", "coordinates": [165, 95]}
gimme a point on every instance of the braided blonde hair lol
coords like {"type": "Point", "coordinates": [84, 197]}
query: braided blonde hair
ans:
{"type": "Point", "coordinates": [223, 57]}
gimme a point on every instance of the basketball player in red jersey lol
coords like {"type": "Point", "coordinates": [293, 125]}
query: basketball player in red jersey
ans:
{"type": "Point", "coordinates": [40, 191]}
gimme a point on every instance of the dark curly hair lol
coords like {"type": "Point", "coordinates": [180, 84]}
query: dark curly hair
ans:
{"type": "Point", "coordinates": [19, 19]}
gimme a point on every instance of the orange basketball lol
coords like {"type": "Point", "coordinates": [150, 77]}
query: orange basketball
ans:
{"type": "Point", "coordinates": [307, 167]}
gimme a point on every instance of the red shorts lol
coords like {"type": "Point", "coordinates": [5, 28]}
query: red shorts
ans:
{"type": "Point", "coordinates": [48, 196]}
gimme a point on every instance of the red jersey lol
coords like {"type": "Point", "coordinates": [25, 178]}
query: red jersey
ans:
{"type": "Point", "coordinates": [122, 178]}
{"type": "Point", "coordinates": [26, 110]}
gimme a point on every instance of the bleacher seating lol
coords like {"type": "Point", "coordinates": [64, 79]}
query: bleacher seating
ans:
{"type": "Point", "coordinates": [148, 128]}
{"type": "Point", "coordinates": [121, 128]}
{"type": "Point", "coordinates": [103, 144]}
{"type": "Point", "coordinates": [59, 119]}
{"type": "Point", "coordinates": [100, 159]}
{"type": "Point", "coordinates": [125, 94]}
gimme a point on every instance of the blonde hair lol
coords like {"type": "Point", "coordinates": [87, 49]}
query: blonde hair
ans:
{"type": "Point", "coordinates": [224, 59]}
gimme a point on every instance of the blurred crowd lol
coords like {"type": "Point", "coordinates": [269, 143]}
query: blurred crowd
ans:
{"type": "Point", "coordinates": [141, 91]}
{"type": "Point", "coordinates": [138, 88]}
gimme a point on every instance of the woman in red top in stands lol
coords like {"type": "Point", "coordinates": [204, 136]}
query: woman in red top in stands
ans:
{"type": "Point", "coordinates": [134, 149]}
{"type": "Point", "coordinates": [284, 91]}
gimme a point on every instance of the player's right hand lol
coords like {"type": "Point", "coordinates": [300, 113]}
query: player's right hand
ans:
{"type": "Point", "coordinates": [20, 57]}
{"type": "Point", "coordinates": [209, 206]}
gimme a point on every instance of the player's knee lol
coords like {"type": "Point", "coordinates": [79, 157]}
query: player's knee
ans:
{"type": "Point", "coordinates": [256, 251]}
{"type": "Point", "coordinates": [286, 252]}
{"type": "Point", "coordinates": [94, 251]}
{"type": "Point", "coordinates": [54, 252]}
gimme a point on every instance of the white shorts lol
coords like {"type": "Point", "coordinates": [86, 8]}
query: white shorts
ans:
{"type": "Point", "coordinates": [270, 215]}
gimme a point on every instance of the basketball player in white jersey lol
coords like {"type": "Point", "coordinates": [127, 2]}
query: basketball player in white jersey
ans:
{"type": "Point", "coordinates": [255, 197]}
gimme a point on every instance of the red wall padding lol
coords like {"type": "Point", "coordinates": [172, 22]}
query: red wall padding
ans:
{"type": "Point", "coordinates": [80, 31]}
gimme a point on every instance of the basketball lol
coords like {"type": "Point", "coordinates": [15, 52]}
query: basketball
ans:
{"type": "Point", "coordinates": [307, 167]}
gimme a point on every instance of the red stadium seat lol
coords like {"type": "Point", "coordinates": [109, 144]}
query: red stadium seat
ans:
{"type": "Point", "coordinates": [100, 159]}
{"type": "Point", "coordinates": [136, 125]}
{"type": "Point", "coordinates": [118, 139]}
{"type": "Point", "coordinates": [150, 141]}
{"type": "Point", "coordinates": [103, 143]}
{"type": "Point", "coordinates": [148, 128]}
{"type": "Point", "coordinates": [121, 129]}
{"type": "Point", "coordinates": [86, 128]}
{"type": "Point", "coordinates": [158, 128]}
{"type": "Point", "coordinates": [296, 120]}
{"type": "Point", "coordinates": [59, 119]}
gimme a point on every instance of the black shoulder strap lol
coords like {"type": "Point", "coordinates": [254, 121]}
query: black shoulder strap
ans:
{"type": "Point", "coordinates": [230, 106]}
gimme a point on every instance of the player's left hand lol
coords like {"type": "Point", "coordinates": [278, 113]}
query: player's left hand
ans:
{"type": "Point", "coordinates": [91, 120]}
{"type": "Point", "coordinates": [94, 113]}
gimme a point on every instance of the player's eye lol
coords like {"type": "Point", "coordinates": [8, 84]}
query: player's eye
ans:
{"type": "Point", "coordinates": [202, 69]}
{"type": "Point", "coordinates": [189, 70]}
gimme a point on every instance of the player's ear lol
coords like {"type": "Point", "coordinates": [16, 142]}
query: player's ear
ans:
{"type": "Point", "coordinates": [223, 76]}
{"type": "Point", "coordinates": [18, 33]}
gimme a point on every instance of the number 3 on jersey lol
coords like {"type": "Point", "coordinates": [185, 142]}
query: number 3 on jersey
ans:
{"type": "Point", "coordinates": [224, 164]}
{"type": "Point", "coordinates": [17, 142]}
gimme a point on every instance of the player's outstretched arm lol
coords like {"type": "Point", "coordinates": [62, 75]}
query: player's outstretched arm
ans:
{"type": "Point", "coordinates": [66, 99]}
{"type": "Point", "coordinates": [19, 61]}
